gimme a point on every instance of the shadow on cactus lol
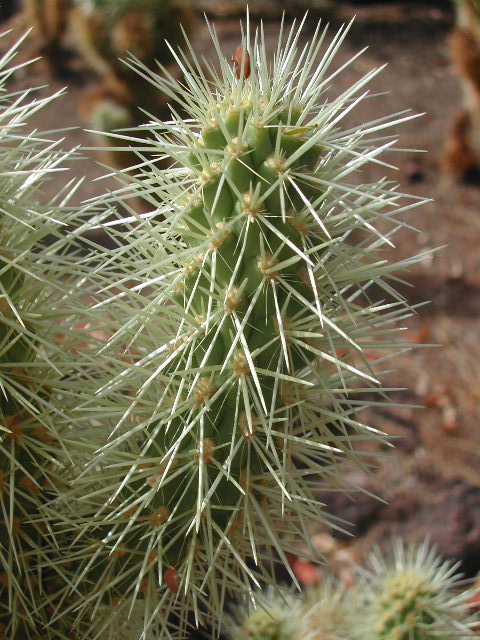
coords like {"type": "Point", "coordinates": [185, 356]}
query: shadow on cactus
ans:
{"type": "Point", "coordinates": [33, 301]}
{"type": "Point", "coordinates": [240, 328]}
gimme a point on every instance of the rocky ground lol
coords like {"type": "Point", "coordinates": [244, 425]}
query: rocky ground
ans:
{"type": "Point", "coordinates": [430, 484]}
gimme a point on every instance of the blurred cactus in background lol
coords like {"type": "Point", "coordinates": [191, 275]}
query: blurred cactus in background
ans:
{"type": "Point", "coordinates": [329, 610]}
{"type": "Point", "coordinates": [320, 614]}
{"type": "Point", "coordinates": [410, 595]}
{"type": "Point", "coordinates": [106, 31]}
{"type": "Point", "coordinates": [274, 615]}
{"type": "Point", "coordinates": [462, 152]}
{"type": "Point", "coordinates": [49, 18]}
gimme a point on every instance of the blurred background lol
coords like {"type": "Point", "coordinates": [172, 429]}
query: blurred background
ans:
{"type": "Point", "coordinates": [430, 484]}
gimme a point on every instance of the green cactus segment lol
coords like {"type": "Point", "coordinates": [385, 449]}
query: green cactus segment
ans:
{"type": "Point", "coordinates": [415, 595]}
{"type": "Point", "coordinates": [245, 328]}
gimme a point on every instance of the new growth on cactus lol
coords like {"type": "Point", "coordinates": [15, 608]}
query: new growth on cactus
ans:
{"type": "Point", "coordinates": [413, 595]}
{"type": "Point", "coordinates": [240, 321]}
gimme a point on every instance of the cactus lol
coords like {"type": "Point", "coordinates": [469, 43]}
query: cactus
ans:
{"type": "Point", "coordinates": [33, 302]}
{"type": "Point", "coordinates": [321, 614]}
{"type": "Point", "coordinates": [107, 30]}
{"type": "Point", "coordinates": [49, 19]}
{"type": "Point", "coordinates": [411, 595]}
{"type": "Point", "coordinates": [328, 610]}
{"type": "Point", "coordinates": [272, 616]}
{"type": "Point", "coordinates": [240, 306]}
{"type": "Point", "coordinates": [462, 151]}
{"type": "Point", "coordinates": [415, 595]}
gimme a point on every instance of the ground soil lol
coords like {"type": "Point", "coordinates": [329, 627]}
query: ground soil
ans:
{"type": "Point", "coordinates": [431, 482]}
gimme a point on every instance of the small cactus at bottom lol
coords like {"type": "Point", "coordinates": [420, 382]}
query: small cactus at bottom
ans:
{"type": "Point", "coordinates": [329, 611]}
{"type": "Point", "coordinates": [414, 596]}
{"type": "Point", "coordinates": [272, 615]}
{"type": "Point", "coordinates": [411, 594]}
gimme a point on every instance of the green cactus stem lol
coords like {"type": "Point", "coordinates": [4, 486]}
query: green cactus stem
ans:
{"type": "Point", "coordinates": [240, 327]}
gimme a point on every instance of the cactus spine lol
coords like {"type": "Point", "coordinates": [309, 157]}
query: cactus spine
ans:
{"type": "Point", "coordinates": [242, 312]}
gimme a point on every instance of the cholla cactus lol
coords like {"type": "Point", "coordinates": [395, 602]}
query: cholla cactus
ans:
{"type": "Point", "coordinates": [329, 608]}
{"type": "Point", "coordinates": [239, 330]}
{"type": "Point", "coordinates": [462, 153]}
{"type": "Point", "coordinates": [323, 614]}
{"type": "Point", "coordinates": [33, 300]}
{"type": "Point", "coordinates": [415, 595]}
{"type": "Point", "coordinates": [272, 616]}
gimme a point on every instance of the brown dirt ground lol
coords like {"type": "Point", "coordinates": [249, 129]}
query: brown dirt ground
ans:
{"type": "Point", "coordinates": [432, 479]}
